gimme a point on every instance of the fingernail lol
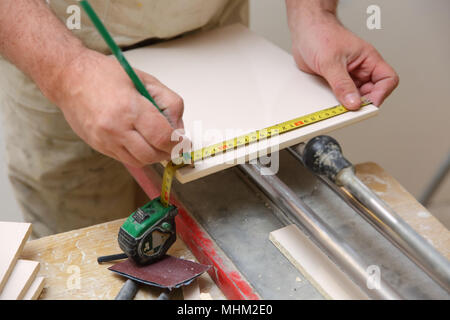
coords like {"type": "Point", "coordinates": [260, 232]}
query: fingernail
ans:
{"type": "Point", "coordinates": [352, 100]}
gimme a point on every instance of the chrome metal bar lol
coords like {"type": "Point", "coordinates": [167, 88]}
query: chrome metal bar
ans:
{"type": "Point", "coordinates": [423, 253]}
{"type": "Point", "coordinates": [318, 231]}
{"type": "Point", "coordinates": [392, 226]}
{"type": "Point", "coordinates": [435, 182]}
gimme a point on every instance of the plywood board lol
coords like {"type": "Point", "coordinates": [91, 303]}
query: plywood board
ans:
{"type": "Point", "coordinates": [20, 280]}
{"type": "Point", "coordinates": [325, 276]}
{"type": "Point", "coordinates": [13, 236]}
{"type": "Point", "coordinates": [405, 205]}
{"type": "Point", "coordinates": [35, 289]}
{"type": "Point", "coordinates": [234, 82]}
{"type": "Point", "coordinates": [69, 264]}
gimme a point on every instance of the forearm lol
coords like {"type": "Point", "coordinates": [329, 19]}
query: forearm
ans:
{"type": "Point", "coordinates": [313, 5]}
{"type": "Point", "coordinates": [302, 13]}
{"type": "Point", "coordinates": [33, 39]}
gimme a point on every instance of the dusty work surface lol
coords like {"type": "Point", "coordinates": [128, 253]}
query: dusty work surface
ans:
{"type": "Point", "coordinates": [69, 264]}
{"type": "Point", "coordinates": [239, 218]}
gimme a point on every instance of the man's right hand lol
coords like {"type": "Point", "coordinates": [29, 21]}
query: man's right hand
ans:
{"type": "Point", "coordinates": [103, 107]}
{"type": "Point", "coordinates": [97, 98]}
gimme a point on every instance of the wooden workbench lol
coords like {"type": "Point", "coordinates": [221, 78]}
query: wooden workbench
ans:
{"type": "Point", "coordinates": [68, 260]}
{"type": "Point", "coordinates": [406, 206]}
{"type": "Point", "coordinates": [69, 264]}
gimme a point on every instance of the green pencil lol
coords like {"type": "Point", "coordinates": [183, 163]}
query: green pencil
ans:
{"type": "Point", "coordinates": [117, 52]}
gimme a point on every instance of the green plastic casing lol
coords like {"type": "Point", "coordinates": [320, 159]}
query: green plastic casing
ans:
{"type": "Point", "coordinates": [156, 211]}
{"type": "Point", "coordinates": [148, 232]}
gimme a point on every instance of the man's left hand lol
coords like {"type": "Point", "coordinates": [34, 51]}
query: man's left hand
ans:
{"type": "Point", "coordinates": [352, 67]}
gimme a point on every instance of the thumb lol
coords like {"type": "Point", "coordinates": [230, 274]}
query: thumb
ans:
{"type": "Point", "coordinates": [343, 86]}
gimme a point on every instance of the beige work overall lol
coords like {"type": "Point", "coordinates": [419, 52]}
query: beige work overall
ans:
{"type": "Point", "coordinates": [60, 182]}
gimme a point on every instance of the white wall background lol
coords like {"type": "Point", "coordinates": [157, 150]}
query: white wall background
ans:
{"type": "Point", "coordinates": [411, 136]}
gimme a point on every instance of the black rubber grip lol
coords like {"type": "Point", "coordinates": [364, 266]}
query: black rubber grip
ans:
{"type": "Point", "coordinates": [112, 257]}
{"type": "Point", "coordinates": [323, 155]}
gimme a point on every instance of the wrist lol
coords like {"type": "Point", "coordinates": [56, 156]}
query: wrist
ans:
{"type": "Point", "coordinates": [62, 76]}
{"type": "Point", "coordinates": [53, 70]}
{"type": "Point", "coordinates": [328, 6]}
{"type": "Point", "coordinates": [302, 14]}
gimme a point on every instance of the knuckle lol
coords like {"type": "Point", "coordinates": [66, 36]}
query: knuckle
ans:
{"type": "Point", "coordinates": [396, 80]}
{"type": "Point", "coordinates": [176, 102]}
{"type": "Point", "coordinates": [325, 64]}
{"type": "Point", "coordinates": [131, 159]}
{"type": "Point", "coordinates": [104, 124]}
{"type": "Point", "coordinates": [343, 85]}
{"type": "Point", "coordinates": [138, 164]}
{"type": "Point", "coordinates": [175, 108]}
{"type": "Point", "coordinates": [371, 50]}
{"type": "Point", "coordinates": [179, 110]}
{"type": "Point", "coordinates": [148, 78]}
{"type": "Point", "coordinates": [161, 141]}
{"type": "Point", "coordinates": [147, 157]}
{"type": "Point", "coordinates": [179, 101]}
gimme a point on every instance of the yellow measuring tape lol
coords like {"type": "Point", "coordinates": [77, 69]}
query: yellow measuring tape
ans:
{"type": "Point", "coordinates": [169, 172]}
{"type": "Point", "coordinates": [246, 139]}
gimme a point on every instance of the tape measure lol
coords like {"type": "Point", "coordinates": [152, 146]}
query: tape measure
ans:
{"type": "Point", "coordinates": [243, 140]}
{"type": "Point", "coordinates": [169, 172]}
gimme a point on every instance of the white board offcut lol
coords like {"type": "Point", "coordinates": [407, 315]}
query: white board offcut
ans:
{"type": "Point", "coordinates": [20, 280]}
{"type": "Point", "coordinates": [35, 289]}
{"type": "Point", "coordinates": [13, 236]}
{"type": "Point", "coordinates": [316, 266]}
{"type": "Point", "coordinates": [234, 82]}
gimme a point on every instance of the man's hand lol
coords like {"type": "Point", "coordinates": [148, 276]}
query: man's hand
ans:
{"type": "Point", "coordinates": [321, 45]}
{"type": "Point", "coordinates": [97, 98]}
{"type": "Point", "coordinates": [103, 107]}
